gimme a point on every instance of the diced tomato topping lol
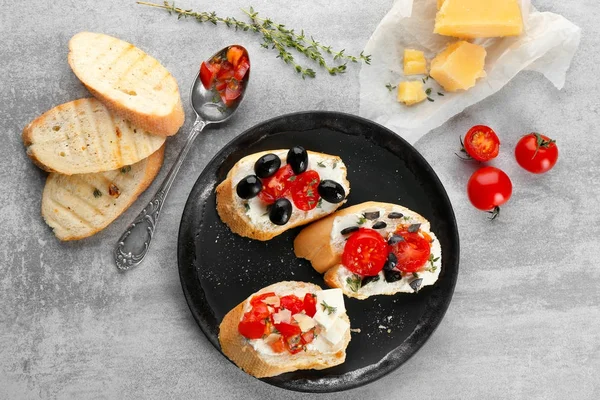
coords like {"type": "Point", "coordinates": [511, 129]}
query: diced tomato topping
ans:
{"type": "Point", "coordinates": [310, 304]}
{"type": "Point", "coordinates": [207, 75]}
{"type": "Point", "coordinates": [294, 343]}
{"type": "Point", "coordinates": [251, 329]}
{"type": "Point", "coordinates": [233, 90]}
{"type": "Point", "coordinates": [308, 337]}
{"type": "Point", "coordinates": [241, 69]}
{"type": "Point", "coordinates": [288, 330]}
{"type": "Point", "coordinates": [226, 72]}
{"type": "Point", "coordinates": [234, 54]}
{"type": "Point", "coordinates": [260, 311]}
{"type": "Point", "coordinates": [221, 85]}
{"type": "Point", "coordinates": [276, 186]}
{"type": "Point", "coordinates": [259, 299]}
{"type": "Point", "coordinates": [292, 303]}
{"type": "Point", "coordinates": [278, 346]}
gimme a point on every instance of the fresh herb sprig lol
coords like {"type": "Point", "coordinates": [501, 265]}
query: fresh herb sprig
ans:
{"type": "Point", "coordinates": [327, 308]}
{"type": "Point", "coordinates": [277, 37]}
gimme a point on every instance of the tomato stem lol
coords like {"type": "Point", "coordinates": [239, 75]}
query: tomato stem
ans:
{"type": "Point", "coordinates": [540, 142]}
{"type": "Point", "coordinates": [495, 213]}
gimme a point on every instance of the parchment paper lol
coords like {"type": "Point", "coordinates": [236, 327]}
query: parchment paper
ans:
{"type": "Point", "coordinates": [547, 45]}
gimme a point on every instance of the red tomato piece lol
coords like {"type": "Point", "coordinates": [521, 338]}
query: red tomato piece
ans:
{"type": "Point", "coordinates": [310, 304]}
{"type": "Point", "coordinates": [207, 75]}
{"type": "Point", "coordinates": [288, 330]}
{"type": "Point", "coordinates": [226, 72]}
{"type": "Point", "coordinates": [220, 86]}
{"type": "Point", "coordinates": [412, 253]}
{"type": "Point", "coordinates": [234, 54]}
{"type": "Point", "coordinates": [259, 311]}
{"type": "Point", "coordinates": [304, 190]}
{"type": "Point", "coordinates": [241, 69]}
{"type": "Point", "coordinates": [251, 329]}
{"type": "Point", "coordinates": [276, 186]}
{"type": "Point", "coordinates": [365, 252]}
{"type": "Point", "coordinates": [292, 303]}
{"type": "Point", "coordinates": [481, 143]}
{"type": "Point", "coordinates": [308, 337]}
{"type": "Point", "coordinates": [278, 346]}
{"type": "Point", "coordinates": [294, 343]}
{"type": "Point", "coordinates": [536, 153]}
{"type": "Point", "coordinates": [488, 188]}
{"type": "Point", "coordinates": [233, 90]}
{"type": "Point", "coordinates": [259, 299]}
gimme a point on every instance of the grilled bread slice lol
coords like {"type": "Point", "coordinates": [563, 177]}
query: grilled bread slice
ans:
{"type": "Point", "coordinates": [250, 218]}
{"type": "Point", "coordinates": [83, 136]}
{"type": "Point", "coordinates": [78, 206]}
{"type": "Point", "coordinates": [256, 357]}
{"type": "Point", "coordinates": [323, 243]}
{"type": "Point", "coordinates": [131, 83]}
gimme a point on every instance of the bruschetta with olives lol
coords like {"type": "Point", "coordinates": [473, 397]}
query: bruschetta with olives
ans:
{"type": "Point", "coordinates": [372, 249]}
{"type": "Point", "coordinates": [267, 193]}
{"type": "Point", "coordinates": [285, 327]}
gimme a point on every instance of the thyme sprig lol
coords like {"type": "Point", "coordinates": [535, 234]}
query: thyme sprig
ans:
{"type": "Point", "coordinates": [277, 37]}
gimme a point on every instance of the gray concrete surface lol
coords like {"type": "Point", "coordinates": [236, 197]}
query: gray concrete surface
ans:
{"type": "Point", "coordinates": [525, 319]}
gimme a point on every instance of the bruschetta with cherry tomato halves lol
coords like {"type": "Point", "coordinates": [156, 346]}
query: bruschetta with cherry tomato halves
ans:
{"type": "Point", "coordinates": [267, 193]}
{"type": "Point", "coordinates": [286, 327]}
{"type": "Point", "coordinates": [372, 249]}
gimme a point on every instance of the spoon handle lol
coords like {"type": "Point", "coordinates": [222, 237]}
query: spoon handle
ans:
{"type": "Point", "coordinates": [135, 241]}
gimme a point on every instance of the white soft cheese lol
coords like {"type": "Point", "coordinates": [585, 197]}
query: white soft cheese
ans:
{"type": "Point", "coordinates": [428, 273]}
{"type": "Point", "coordinates": [257, 210]}
{"type": "Point", "coordinates": [329, 339]}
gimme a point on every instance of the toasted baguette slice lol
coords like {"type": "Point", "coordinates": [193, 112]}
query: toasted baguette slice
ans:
{"type": "Point", "coordinates": [253, 221]}
{"type": "Point", "coordinates": [322, 243]}
{"type": "Point", "coordinates": [78, 206]}
{"type": "Point", "coordinates": [263, 362]}
{"type": "Point", "coordinates": [83, 136]}
{"type": "Point", "coordinates": [128, 81]}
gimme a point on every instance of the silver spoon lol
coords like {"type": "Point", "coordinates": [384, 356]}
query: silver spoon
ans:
{"type": "Point", "coordinates": [135, 241]}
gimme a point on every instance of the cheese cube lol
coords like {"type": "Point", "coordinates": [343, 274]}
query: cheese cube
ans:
{"type": "Point", "coordinates": [411, 92]}
{"type": "Point", "coordinates": [479, 18]}
{"type": "Point", "coordinates": [305, 322]}
{"type": "Point", "coordinates": [459, 66]}
{"type": "Point", "coordinates": [414, 62]}
{"type": "Point", "coordinates": [336, 332]}
{"type": "Point", "coordinates": [330, 304]}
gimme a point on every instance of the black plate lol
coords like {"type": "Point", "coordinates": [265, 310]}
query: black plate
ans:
{"type": "Point", "coordinates": [219, 269]}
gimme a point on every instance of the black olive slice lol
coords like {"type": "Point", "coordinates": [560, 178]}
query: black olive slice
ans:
{"type": "Point", "coordinates": [267, 165]}
{"type": "Point", "coordinates": [379, 225]}
{"type": "Point", "coordinates": [395, 215]}
{"type": "Point", "coordinates": [395, 239]}
{"type": "Point", "coordinates": [391, 262]}
{"type": "Point", "coordinates": [331, 191]}
{"type": "Point", "coordinates": [368, 279]}
{"type": "Point", "coordinates": [392, 276]}
{"type": "Point", "coordinates": [372, 215]}
{"type": "Point", "coordinates": [414, 228]}
{"type": "Point", "coordinates": [297, 157]}
{"type": "Point", "coordinates": [248, 187]}
{"type": "Point", "coordinates": [280, 212]}
{"type": "Point", "coordinates": [350, 229]}
{"type": "Point", "coordinates": [416, 284]}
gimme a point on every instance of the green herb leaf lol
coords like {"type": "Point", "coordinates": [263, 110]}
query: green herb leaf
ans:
{"type": "Point", "coordinates": [334, 165]}
{"type": "Point", "coordinates": [361, 220]}
{"type": "Point", "coordinates": [319, 203]}
{"type": "Point", "coordinates": [440, 94]}
{"type": "Point", "coordinates": [320, 164]}
{"type": "Point", "coordinates": [97, 193]}
{"type": "Point", "coordinates": [430, 99]}
{"type": "Point", "coordinates": [292, 178]}
{"type": "Point", "coordinates": [428, 91]}
{"type": "Point", "coordinates": [126, 169]}
{"type": "Point", "coordinates": [415, 275]}
{"type": "Point", "coordinates": [390, 87]}
{"type": "Point", "coordinates": [247, 207]}
{"type": "Point", "coordinates": [327, 308]}
{"type": "Point", "coordinates": [354, 282]}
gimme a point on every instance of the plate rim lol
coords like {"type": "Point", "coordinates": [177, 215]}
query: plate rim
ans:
{"type": "Point", "coordinates": [413, 343]}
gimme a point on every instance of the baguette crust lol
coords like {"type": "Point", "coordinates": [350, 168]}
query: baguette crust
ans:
{"type": "Point", "coordinates": [238, 221]}
{"type": "Point", "coordinates": [83, 136]}
{"type": "Point", "coordinates": [241, 353]}
{"type": "Point", "coordinates": [74, 212]}
{"type": "Point", "coordinates": [147, 94]}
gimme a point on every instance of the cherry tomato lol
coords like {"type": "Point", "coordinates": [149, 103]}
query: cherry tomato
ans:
{"type": "Point", "coordinates": [241, 69]}
{"type": "Point", "coordinates": [481, 143]}
{"type": "Point", "coordinates": [294, 343]}
{"type": "Point", "coordinates": [288, 330]}
{"type": "Point", "coordinates": [234, 54]}
{"type": "Point", "coordinates": [489, 188]}
{"type": "Point", "coordinates": [292, 303]}
{"type": "Point", "coordinates": [207, 74]}
{"type": "Point", "coordinates": [310, 304]}
{"type": "Point", "coordinates": [412, 253]}
{"type": "Point", "coordinates": [304, 190]}
{"type": "Point", "coordinates": [536, 153]}
{"type": "Point", "coordinates": [308, 337]}
{"type": "Point", "coordinates": [259, 299]}
{"type": "Point", "coordinates": [277, 186]}
{"type": "Point", "coordinates": [365, 252]}
{"type": "Point", "coordinates": [278, 346]}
